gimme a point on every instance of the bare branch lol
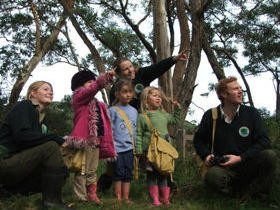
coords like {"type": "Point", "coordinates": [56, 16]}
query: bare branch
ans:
{"type": "Point", "coordinates": [66, 34]}
{"type": "Point", "coordinates": [205, 5]}
{"type": "Point", "coordinates": [88, 43]}
{"type": "Point", "coordinates": [238, 68]}
{"type": "Point", "coordinates": [147, 14]}
{"type": "Point", "coordinates": [100, 38]}
{"type": "Point", "coordinates": [34, 10]}
{"type": "Point", "coordinates": [134, 27]}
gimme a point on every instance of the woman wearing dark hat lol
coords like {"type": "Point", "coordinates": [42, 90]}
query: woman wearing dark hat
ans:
{"type": "Point", "coordinates": [30, 158]}
{"type": "Point", "coordinates": [92, 129]}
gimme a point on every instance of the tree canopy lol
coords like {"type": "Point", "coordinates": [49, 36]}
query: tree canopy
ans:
{"type": "Point", "coordinates": [33, 31]}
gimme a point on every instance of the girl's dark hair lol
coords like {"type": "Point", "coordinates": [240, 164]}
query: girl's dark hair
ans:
{"type": "Point", "coordinates": [117, 64]}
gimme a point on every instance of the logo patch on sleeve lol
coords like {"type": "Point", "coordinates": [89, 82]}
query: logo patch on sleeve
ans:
{"type": "Point", "coordinates": [244, 131]}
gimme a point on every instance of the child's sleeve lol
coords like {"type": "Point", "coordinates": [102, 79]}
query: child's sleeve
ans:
{"type": "Point", "coordinates": [139, 134]}
{"type": "Point", "coordinates": [85, 95]}
{"type": "Point", "coordinates": [172, 120]}
{"type": "Point", "coordinates": [174, 117]}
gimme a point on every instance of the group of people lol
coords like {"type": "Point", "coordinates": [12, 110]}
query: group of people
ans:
{"type": "Point", "coordinates": [31, 160]}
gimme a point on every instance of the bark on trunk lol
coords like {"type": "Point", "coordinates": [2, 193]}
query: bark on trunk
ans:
{"type": "Point", "coordinates": [180, 67]}
{"type": "Point", "coordinates": [88, 43]}
{"type": "Point", "coordinates": [278, 99]}
{"type": "Point", "coordinates": [218, 70]}
{"type": "Point", "coordinates": [162, 46]}
{"type": "Point", "coordinates": [186, 92]}
{"type": "Point", "coordinates": [34, 61]}
{"type": "Point", "coordinates": [97, 58]}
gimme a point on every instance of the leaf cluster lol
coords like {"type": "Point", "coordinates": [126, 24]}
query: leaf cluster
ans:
{"type": "Point", "coordinates": [248, 27]}
{"type": "Point", "coordinates": [17, 34]}
{"type": "Point", "coordinates": [59, 117]}
{"type": "Point", "coordinates": [112, 37]}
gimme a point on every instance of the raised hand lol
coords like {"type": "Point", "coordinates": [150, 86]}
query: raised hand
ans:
{"type": "Point", "coordinates": [112, 72]}
{"type": "Point", "coordinates": [182, 56]}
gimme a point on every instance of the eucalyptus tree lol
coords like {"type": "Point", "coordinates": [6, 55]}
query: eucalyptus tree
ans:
{"type": "Point", "coordinates": [141, 30]}
{"type": "Point", "coordinates": [261, 39]}
{"type": "Point", "coordinates": [154, 38]}
{"type": "Point", "coordinates": [221, 22]}
{"type": "Point", "coordinates": [248, 31]}
{"type": "Point", "coordinates": [29, 31]}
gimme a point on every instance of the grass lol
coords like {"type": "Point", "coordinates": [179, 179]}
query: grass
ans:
{"type": "Point", "coordinates": [191, 195]}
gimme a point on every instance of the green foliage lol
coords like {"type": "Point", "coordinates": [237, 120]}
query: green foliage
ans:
{"type": "Point", "coordinates": [116, 37]}
{"type": "Point", "coordinates": [191, 194]}
{"type": "Point", "coordinates": [272, 125]}
{"type": "Point", "coordinates": [59, 117]}
{"type": "Point", "coordinates": [190, 127]}
{"type": "Point", "coordinates": [17, 35]}
{"type": "Point", "coordinates": [256, 26]}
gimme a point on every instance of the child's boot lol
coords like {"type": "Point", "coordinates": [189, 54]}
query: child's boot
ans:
{"type": "Point", "coordinates": [153, 190]}
{"type": "Point", "coordinates": [92, 196]}
{"type": "Point", "coordinates": [165, 193]}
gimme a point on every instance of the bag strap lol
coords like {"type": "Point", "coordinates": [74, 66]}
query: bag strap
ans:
{"type": "Point", "coordinates": [130, 129]}
{"type": "Point", "coordinates": [150, 125]}
{"type": "Point", "coordinates": [214, 117]}
{"type": "Point", "coordinates": [128, 124]}
{"type": "Point", "coordinates": [83, 169]}
{"type": "Point", "coordinates": [149, 122]}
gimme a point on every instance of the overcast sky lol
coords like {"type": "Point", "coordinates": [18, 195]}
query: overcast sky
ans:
{"type": "Point", "coordinates": [262, 90]}
{"type": "Point", "coordinates": [60, 75]}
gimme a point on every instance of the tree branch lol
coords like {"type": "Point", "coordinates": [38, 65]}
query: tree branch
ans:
{"type": "Point", "coordinates": [147, 15]}
{"type": "Point", "coordinates": [134, 27]}
{"type": "Point", "coordinates": [34, 10]}
{"type": "Point", "coordinates": [66, 34]}
{"type": "Point", "coordinates": [240, 73]}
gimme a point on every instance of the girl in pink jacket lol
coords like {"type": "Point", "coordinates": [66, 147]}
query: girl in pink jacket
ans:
{"type": "Point", "coordinates": [92, 130]}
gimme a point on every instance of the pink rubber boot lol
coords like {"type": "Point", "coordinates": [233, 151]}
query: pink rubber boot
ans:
{"type": "Point", "coordinates": [165, 193]}
{"type": "Point", "coordinates": [153, 190]}
{"type": "Point", "coordinates": [92, 196]}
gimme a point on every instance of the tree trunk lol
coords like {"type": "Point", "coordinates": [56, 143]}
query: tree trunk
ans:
{"type": "Point", "coordinates": [180, 67]}
{"type": "Point", "coordinates": [218, 71]}
{"type": "Point", "coordinates": [184, 95]}
{"type": "Point", "coordinates": [34, 61]}
{"type": "Point", "coordinates": [162, 45]}
{"type": "Point", "coordinates": [97, 58]}
{"type": "Point", "coordinates": [277, 97]}
{"type": "Point", "coordinates": [88, 43]}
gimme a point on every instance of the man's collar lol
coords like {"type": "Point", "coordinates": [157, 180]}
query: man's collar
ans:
{"type": "Point", "coordinates": [224, 116]}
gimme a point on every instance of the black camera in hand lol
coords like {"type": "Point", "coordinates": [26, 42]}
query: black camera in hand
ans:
{"type": "Point", "coordinates": [217, 160]}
